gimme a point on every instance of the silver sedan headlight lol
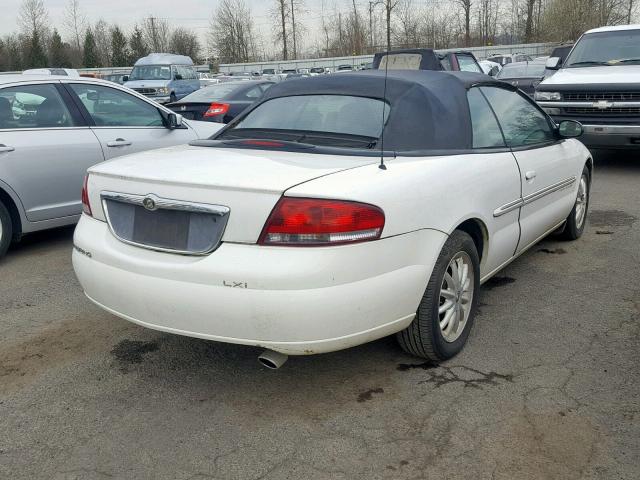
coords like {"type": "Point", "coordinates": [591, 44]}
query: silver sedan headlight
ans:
{"type": "Point", "coordinates": [548, 96]}
{"type": "Point", "coordinates": [162, 90]}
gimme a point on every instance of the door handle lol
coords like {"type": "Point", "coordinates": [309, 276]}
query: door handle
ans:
{"type": "Point", "coordinates": [6, 148]}
{"type": "Point", "coordinates": [119, 142]}
{"type": "Point", "coordinates": [530, 175]}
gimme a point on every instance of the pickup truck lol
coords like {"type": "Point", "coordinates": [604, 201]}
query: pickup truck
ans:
{"type": "Point", "coordinates": [598, 85]}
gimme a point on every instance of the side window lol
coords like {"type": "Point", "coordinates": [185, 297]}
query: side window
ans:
{"type": "Point", "coordinates": [522, 123]}
{"type": "Point", "coordinates": [109, 107]}
{"type": "Point", "coordinates": [193, 75]}
{"type": "Point", "coordinates": [265, 86]}
{"type": "Point", "coordinates": [33, 106]}
{"type": "Point", "coordinates": [468, 64]}
{"type": "Point", "coordinates": [446, 63]}
{"type": "Point", "coordinates": [254, 93]}
{"type": "Point", "coordinates": [486, 131]}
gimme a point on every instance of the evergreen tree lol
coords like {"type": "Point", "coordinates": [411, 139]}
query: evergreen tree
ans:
{"type": "Point", "coordinates": [58, 56]}
{"type": "Point", "coordinates": [120, 49]}
{"type": "Point", "coordinates": [137, 44]}
{"type": "Point", "coordinates": [91, 59]}
{"type": "Point", "coordinates": [35, 56]}
{"type": "Point", "coordinates": [4, 57]}
{"type": "Point", "coordinates": [14, 56]}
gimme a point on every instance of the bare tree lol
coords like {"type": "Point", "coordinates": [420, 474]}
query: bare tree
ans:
{"type": "Point", "coordinates": [408, 22]}
{"type": "Point", "coordinates": [295, 8]}
{"type": "Point", "coordinates": [280, 14]}
{"type": "Point", "coordinates": [528, 30]}
{"type": "Point", "coordinates": [75, 22]}
{"type": "Point", "coordinates": [184, 42]}
{"type": "Point", "coordinates": [231, 32]}
{"type": "Point", "coordinates": [325, 29]}
{"type": "Point", "coordinates": [33, 17]}
{"type": "Point", "coordinates": [157, 33]}
{"type": "Point", "coordinates": [488, 20]}
{"type": "Point", "coordinates": [389, 5]}
{"type": "Point", "coordinates": [466, 9]}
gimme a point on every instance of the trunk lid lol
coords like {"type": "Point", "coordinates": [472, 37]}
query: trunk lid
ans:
{"type": "Point", "coordinates": [248, 182]}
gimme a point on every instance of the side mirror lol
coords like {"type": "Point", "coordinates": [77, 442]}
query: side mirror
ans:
{"type": "Point", "coordinates": [174, 120]}
{"type": "Point", "coordinates": [570, 129]}
{"type": "Point", "coordinates": [553, 63]}
{"type": "Point", "coordinates": [125, 78]}
{"type": "Point", "coordinates": [178, 76]}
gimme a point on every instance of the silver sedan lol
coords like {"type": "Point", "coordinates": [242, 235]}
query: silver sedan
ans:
{"type": "Point", "coordinates": [53, 128]}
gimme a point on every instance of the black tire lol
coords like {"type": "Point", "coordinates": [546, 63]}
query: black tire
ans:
{"type": "Point", "coordinates": [424, 337]}
{"type": "Point", "coordinates": [172, 98]}
{"type": "Point", "coordinates": [6, 230]}
{"type": "Point", "coordinates": [572, 228]}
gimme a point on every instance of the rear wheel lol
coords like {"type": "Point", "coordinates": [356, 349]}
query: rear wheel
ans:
{"type": "Point", "coordinates": [6, 229]}
{"type": "Point", "coordinates": [445, 315]}
{"type": "Point", "coordinates": [574, 226]}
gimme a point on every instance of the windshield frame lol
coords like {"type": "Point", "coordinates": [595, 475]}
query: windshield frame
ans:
{"type": "Point", "coordinates": [587, 37]}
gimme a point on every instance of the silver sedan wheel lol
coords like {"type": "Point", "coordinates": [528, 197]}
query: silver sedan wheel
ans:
{"type": "Point", "coordinates": [456, 296]}
{"type": "Point", "coordinates": [581, 201]}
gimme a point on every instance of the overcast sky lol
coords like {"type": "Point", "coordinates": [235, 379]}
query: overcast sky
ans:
{"type": "Point", "coordinates": [194, 14]}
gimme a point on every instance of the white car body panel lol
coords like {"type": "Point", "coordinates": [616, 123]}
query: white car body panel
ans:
{"type": "Point", "coordinates": [249, 182]}
{"type": "Point", "coordinates": [544, 168]}
{"type": "Point", "coordinates": [412, 198]}
{"type": "Point", "coordinates": [304, 300]}
{"type": "Point", "coordinates": [295, 300]}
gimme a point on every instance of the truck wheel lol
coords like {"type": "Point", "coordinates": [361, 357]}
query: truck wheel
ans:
{"type": "Point", "coordinates": [445, 315]}
{"type": "Point", "coordinates": [6, 229]}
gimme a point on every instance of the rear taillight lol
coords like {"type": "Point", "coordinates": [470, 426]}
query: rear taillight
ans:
{"type": "Point", "coordinates": [216, 109]}
{"type": "Point", "coordinates": [316, 222]}
{"type": "Point", "coordinates": [86, 207]}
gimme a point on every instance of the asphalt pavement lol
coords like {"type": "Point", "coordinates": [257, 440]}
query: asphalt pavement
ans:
{"type": "Point", "coordinates": [548, 386]}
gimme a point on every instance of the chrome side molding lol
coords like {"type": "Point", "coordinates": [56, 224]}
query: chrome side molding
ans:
{"type": "Point", "coordinates": [521, 202]}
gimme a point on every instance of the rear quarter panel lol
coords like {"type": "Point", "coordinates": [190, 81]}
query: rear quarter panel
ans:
{"type": "Point", "coordinates": [436, 193]}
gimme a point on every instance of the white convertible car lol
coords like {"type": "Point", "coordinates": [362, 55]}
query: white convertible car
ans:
{"type": "Point", "coordinates": [338, 210]}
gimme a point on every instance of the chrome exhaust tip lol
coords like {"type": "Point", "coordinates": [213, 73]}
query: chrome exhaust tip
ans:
{"type": "Point", "coordinates": [272, 360]}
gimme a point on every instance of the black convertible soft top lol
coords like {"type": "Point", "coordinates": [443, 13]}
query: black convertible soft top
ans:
{"type": "Point", "coordinates": [428, 58]}
{"type": "Point", "coordinates": [429, 110]}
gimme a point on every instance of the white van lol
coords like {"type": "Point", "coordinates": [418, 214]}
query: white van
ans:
{"type": "Point", "coordinates": [163, 77]}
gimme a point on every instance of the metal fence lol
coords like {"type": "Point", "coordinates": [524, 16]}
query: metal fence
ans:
{"type": "Point", "coordinates": [533, 49]}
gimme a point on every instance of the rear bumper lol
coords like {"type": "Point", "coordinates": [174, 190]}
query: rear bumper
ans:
{"type": "Point", "coordinates": [293, 300]}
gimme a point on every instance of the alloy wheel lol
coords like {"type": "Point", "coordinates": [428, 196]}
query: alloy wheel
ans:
{"type": "Point", "coordinates": [581, 201]}
{"type": "Point", "coordinates": [456, 296]}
